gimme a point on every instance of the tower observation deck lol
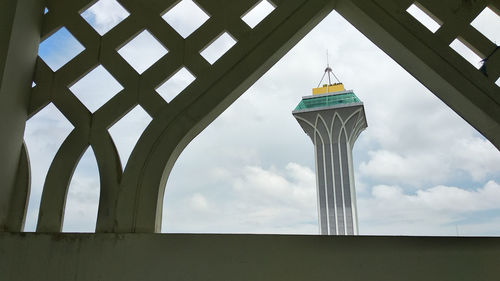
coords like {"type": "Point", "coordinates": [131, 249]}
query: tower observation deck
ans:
{"type": "Point", "coordinates": [333, 118]}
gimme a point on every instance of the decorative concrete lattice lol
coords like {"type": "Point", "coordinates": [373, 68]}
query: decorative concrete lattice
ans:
{"type": "Point", "coordinates": [130, 200]}
{"type": "Point", "coordinates": [428, 54]}
{"type": "Point", "coordinates": [455, 25]}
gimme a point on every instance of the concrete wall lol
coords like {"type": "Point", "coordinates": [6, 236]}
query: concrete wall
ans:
{"type": "Point", "coordinates": [31, 256]}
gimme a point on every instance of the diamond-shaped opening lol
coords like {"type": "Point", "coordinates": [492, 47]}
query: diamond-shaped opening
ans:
{"type": "Point", "coordinates": [257, 13]}
{"type": "Point", "coordinates": [45, 10]}
{"type": "Point", "coordinates": [44, 134]}
{"type": "Point", "coordinates": [104, 15]}
{"type": "Point", "coordinates": [96, 88]}
{"type": "Point", "coordinates": [488, 23]}
{"type": "Point", "coordinates": [218, 47]}
{"type": "Point", "coordinates": [126, 132]}
{"type": "Point", "coordinates": [33, 84]}
{"type": "Point", "coordinates": [175, 84]}
{"type": "Point", "coordinates": [466, 53]}
{"type": "Point", "coordinates": [59, 49]}
{"type": "Point", "coordinates": [498, 82]}
{"type": "Point", "coordinates": [425, 17]}
{"type": "Point", "coordinates": [185, 17]}
{"type": "Point", "coordinates": [82, 201]}
{"type": "Point", "coordinates": [142, 51]}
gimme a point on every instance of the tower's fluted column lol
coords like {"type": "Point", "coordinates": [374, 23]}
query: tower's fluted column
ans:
{"type": "Point", "coordinates": [333, 121]}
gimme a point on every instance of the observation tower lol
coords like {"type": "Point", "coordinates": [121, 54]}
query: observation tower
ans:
{"type": "Point", "coordinates": [333, 118]}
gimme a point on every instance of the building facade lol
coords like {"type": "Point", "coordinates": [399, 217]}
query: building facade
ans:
{"type": "Point", "coordinates": [333, 118]}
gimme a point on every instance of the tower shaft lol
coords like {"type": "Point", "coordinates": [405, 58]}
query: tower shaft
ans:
{"type": "Point", "coordinates": [333, 122]}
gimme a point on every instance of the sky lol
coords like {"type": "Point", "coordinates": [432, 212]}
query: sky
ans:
{"type": "Point", "coordinates": [420, 169]}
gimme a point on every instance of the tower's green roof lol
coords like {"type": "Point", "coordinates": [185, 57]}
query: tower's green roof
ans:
{"type": "Point", "coordinates": [327, 100]}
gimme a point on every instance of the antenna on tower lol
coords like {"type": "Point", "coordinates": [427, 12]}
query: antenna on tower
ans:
{"type": "Point", "coordinates": [328, 71]}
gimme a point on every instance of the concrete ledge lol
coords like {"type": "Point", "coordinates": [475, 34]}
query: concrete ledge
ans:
{"type": "Point", "coordinates": [142, 257]}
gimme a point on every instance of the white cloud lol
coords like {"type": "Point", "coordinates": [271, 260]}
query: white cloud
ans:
{"type": "Point", "coordinates": [257, 13]}
{"type": "Point", "coordinates": [175, 84]}
{"type": "Point", "coordinates": [488, 24]}
{"type": "Point", "coordinates": [415, 169]}
{"type": "Point", "coordinates": [185, 17]}
{"type": "Point", "coordinates": [438, 210]}
{"type": "Point", "coordinates": [104, 15]}
{"type": "Point", "coordinates": [198, 202]}
{"type": "Point", "coordinates": [252, 199]}
{"type": "Point", "coordinates": [83, 196]}
{"type": "Point", "coordinates": [477, 156]}
{"type": "Point", "coordinates": [273, 200]}
{"type": "Point", "coordinates": [446, 198]}
{"type": "Point", "coordinates": [142, 51]}
{"type": "Point", "coordinates": [293, 188]}
{"type": "Point", "coordinates": [96, 88]}
{"type": "Point", "coordinates": [431, 165]}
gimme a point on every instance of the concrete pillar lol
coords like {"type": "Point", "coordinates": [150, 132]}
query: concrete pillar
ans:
{"type": "Point", "coordinates": [20, 26]}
